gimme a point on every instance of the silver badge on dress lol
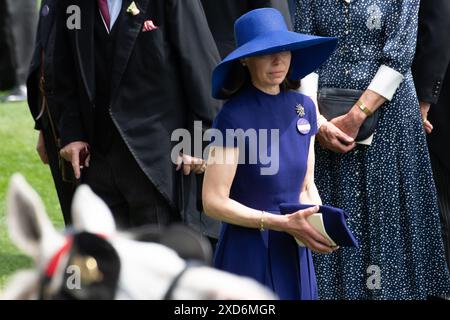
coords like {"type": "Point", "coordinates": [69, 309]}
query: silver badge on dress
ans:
{"type": "Point", "coordinates": [303, 125]}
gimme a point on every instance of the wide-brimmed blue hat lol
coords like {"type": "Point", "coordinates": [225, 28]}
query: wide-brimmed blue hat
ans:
{"type": "Point", "coordinates": [264, 31]}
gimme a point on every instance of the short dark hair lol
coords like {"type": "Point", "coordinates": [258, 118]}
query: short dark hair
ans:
{"type": "Point", "coordinates": [239, 78]}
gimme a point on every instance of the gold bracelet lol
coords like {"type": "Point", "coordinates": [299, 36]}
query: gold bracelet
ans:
{"type": "Point", "coordinates": [261, 222]}
{"type": "Point", "coordinates": [362, 106]}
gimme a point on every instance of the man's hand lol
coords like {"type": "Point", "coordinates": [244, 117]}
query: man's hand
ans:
{"type": "Point", "coordinates": [334, 139]}
{"type": "Point", "coordinates": [40, 148]}
{"type": "Point", "coordinates": [191, 164]}
{"type": "Point", "coordinates": [71, 153]}
{"type": "Point", "coordinates": [424, 109]}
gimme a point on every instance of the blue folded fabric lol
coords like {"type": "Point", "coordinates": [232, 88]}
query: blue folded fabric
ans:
{"type": "Point", "coordinates": [334, 220]}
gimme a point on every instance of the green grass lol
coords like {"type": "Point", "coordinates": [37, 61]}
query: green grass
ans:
{"type": "Point", "coordinates": [17, 154]}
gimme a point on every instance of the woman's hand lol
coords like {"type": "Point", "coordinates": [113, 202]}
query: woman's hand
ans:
{"type": "Point", "coordinates": [334, 139]}
{"type": "Point", "coordinates": [191, 164]}
{"type": "Point", "coordinates": [298, 226]}
{"type": "Point", "coordinates": [351, 122]}
{"type": "Point", "coordinates": [424, 109]}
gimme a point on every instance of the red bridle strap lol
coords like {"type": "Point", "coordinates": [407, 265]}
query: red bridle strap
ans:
{"type": "Point", "coordinates": [54, 261]}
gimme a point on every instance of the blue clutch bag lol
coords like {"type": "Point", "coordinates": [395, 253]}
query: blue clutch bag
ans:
{"type": "Point", "coordinates": [334, 222]}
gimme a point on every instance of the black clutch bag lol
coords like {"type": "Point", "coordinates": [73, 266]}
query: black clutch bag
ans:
{"type": "Point", "coordinates": [335, 102]}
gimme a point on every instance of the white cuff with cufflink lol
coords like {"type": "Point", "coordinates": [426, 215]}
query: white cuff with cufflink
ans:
{"type": "Point", "coordinates": [386, 82]}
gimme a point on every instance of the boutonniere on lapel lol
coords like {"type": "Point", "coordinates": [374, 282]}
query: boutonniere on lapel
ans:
{"type": "Point", "coordinates": [133, 9]}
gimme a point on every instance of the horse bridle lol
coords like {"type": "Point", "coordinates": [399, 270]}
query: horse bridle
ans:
{"type": "Point", "coordinates": [176, 280]}
{"type": "Point", "coordinates": [54, 262]}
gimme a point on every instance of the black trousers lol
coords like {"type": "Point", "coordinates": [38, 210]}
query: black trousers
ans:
{"type": "Point", "coordinates": [116, 177]}
{"type": "Point", "coordinates": [442, 180]}
{"type": "Point", "coordinates": [65, 190]}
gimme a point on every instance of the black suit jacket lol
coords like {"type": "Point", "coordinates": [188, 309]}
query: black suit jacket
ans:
{"type": "Point", "coordinates": [160, 80]}
{"type": "Point", "coordinates": [45, 43]}
{"type": "Point", "coordinates": [222, 14]}
{"type": "Point", "coordinates": [432, 73]}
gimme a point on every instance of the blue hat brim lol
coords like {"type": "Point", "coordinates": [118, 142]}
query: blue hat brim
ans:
{"type": "Point", "coordinates": [308, 54]}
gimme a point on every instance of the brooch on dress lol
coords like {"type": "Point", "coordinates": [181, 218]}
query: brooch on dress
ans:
{"type": "Point", "coordinates": [303, 125]}
{"type": "Point", "coordinates": [300, 110]}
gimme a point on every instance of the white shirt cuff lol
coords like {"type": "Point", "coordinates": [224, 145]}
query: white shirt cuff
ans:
{"type": "Point", "coordinates": [309, 85]}
{"type": "Point", "coordinates": [386, 82]}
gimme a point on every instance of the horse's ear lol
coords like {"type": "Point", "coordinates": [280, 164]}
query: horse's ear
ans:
{"type": "Point", "coordinates": [29, 226]}
{"type": "Point", "coordinates": [90, 214]}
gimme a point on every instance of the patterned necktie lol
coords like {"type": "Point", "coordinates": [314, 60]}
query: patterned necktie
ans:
{"type": "Point", "coordinates": [104, 10]}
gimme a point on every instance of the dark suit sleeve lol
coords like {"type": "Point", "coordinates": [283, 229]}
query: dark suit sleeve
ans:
{"type": "Point", "coordinates": [197, 53]}
{"type": "Point", "coordinates": [66, 89]}
{"type": "Point", "coordinates": [281, 5]}
{"type": "Point", "coordinates": [33, 86]}
{"type": "Point", "coordinates": [42, 44]}
{"type": "Point", "coordinates": [33, 78]}
{"type": "Point", "coordinates": [433, 49]}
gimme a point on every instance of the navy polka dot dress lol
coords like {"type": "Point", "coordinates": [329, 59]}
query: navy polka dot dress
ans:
{"type": "Point", "coordinates": [387, 188]}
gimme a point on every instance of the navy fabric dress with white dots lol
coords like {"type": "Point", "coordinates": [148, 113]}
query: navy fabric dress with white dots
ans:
{"type": "Point", "coordinates": [387, 188]}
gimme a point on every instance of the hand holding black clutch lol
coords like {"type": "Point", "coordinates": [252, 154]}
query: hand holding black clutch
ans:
{"type": "Point", "coordinates": [335, 102]}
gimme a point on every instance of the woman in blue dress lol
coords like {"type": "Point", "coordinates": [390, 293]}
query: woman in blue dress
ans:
{"type": "Point", "coordinates": [250, 174]}
{"type": "Point", "coordinates": [385, 185]}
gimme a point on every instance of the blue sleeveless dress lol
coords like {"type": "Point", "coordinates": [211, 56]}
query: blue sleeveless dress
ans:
{"type": "Point", "coordinates": [272, 258]}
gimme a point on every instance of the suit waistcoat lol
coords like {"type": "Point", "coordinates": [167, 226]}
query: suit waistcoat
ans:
{"type": "Point", "coordinates": [104, 50]}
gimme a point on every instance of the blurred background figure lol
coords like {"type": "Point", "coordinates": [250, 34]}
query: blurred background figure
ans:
{"type": "Point", "coordinates": [7, 57]}
{"type": "Point", "coordinates": [19, 21]}
{"type": "Point", "coordinates": [221, 16]}
{"type": "Point", "coordinates": [432, 79]}
{"type": "Point", "coordinates": [292, 7]}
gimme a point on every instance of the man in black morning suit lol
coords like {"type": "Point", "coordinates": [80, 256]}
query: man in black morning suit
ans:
{"type": "Point", "coordinates": [125, 86]}
{"type": "Point", "coordinates": [44, 109]}
{"type": "Point", "coordinates": [431, 70]}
